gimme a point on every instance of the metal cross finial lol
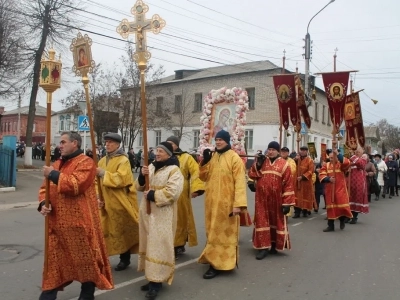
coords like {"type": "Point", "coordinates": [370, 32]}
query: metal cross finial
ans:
{"type": "Point", "coordinates": [139, 27]}
{"type": "Point", "coordinates": [336, 50]}
{"type": "Point", "coordinates": [284, 53]}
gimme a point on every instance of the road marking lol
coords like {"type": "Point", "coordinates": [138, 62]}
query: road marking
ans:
{"type": "Point", "coordinates": [323, 214]}
{"type": "Point", "coordinates": [126, 283]}
{"type": "Point", "coordinates": [297, 224]}
{"type": "Point", "coordinates": [311, 218]}
{"type": "Point", "coordinates": [18, 205]}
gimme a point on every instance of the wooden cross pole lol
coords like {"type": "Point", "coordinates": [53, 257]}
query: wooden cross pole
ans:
{"type": "Point", "coordinates": [139, 27]}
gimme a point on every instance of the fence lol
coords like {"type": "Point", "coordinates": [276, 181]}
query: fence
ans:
{"type": "Point", "coordinates": [7, 166]}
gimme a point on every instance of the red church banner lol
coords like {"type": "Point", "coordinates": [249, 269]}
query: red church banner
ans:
{"type": "Point", "coordinates": [336, 89]}
{"type": "Point", "coordinates": [354, 122]}
{"type": "Point", "coordinates": [285, 92]}
{"type": "Point", "coordinates": [301, 104]}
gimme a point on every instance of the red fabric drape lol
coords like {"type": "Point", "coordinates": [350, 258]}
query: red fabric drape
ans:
{"type": "Point", "coordinates": [355, 127]}
{"type": "Point", "coordinates": [285, 92]}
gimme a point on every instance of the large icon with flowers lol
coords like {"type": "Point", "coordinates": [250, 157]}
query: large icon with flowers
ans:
{"type": "Point", "coordinates": [224, 109]}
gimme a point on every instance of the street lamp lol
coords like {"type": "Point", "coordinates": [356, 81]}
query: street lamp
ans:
{"type": "Point", "coordinates": [308, 52]}
{"type": "Point", "coordinates": [82, 106]}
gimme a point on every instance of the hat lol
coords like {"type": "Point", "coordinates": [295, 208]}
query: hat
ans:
{"type": "Point", "coordinates": [285, 149]}
{"type": "Point", "coordinates": [328, 151]}
{"type": "Point", "coordinates": [113, 137]}
{"type": "Point", "coordinates": [274, 145]}
{"type": "Point", "coordinates": [377, 155]}
{"type": "Point", "coordinates": [224, 135]}
{"type": "Point", "coordinates": [167, 147]}
{"type": "Point", "coordinates": [303, 148]}
{"type": "Point", "coordinates": [173, 139]}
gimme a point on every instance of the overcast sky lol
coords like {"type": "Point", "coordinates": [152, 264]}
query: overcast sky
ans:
{"type": "Point", "coordinates": [365, 32]}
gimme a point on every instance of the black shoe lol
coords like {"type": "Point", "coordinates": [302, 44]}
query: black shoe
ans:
{"type": "Point", "coordinates": [262, 254]}
{"type": "Point", "coordinates": [49, 295]}
{"type": "Point", "coordinates": [383, 196]}
{"type": "Point", "coordinates": [316, 211]}
{"type": "Point", "coordinates": [329, 229]}
{"type": "Point", "coordinates": [122, 265]}
{"type": "Point", "coordinates": [145, 287]}
{"type": "Point", "coordinates": [273, 250]}
{"type": "Point", "coordinates": [347, 220]}
{"type": "Point", "coordinates": [390, 197]}
{"type": "Point", "coordinates": [151, 294]}
{"type": "Point", "coordinates": [324, 207]}
{"type": "Point", "coordinates": [211, 273]}
{"type": "Point", "coordinates": [87, 291]}
{"type": "Point", "coordinates": [342, 224]}
{"type": "Point", "coordinates": [353, 221]}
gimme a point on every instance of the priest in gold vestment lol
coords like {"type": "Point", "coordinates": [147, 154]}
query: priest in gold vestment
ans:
{"type": "Point", "coordinates": [192, 187]}
{"type": "Point", "coordinates": [77, 251]}
{"type": "Point", "coordinates": [119, 207]}
{"type": "Point", "coordinates": [157, 229]}
{"type": "Point", "coordinates": [293, 168]}
{"type": "Point", "coordinates": [225, 197]}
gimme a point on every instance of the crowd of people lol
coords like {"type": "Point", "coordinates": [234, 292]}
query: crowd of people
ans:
{"type": "Point", "coordinates": [94, 211]}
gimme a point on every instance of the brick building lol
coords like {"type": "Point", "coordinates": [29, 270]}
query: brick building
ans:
{"type": "Point", "coordinates": [9, 123]}
{"type": "Point", "coordinates": [187, 89]}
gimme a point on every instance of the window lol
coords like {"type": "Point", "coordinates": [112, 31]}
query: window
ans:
{"type": "Point", "coordinates": [178, 104]}
{"type": "Point", "coordinates": [248, 139]}
{"type": "Point", "coordinates": [61, 123]}
{"type": "Point", "coordinates": [9, 127]}
{"type": "Point", "coordinates": [159, 107]}
{"type": "Point", "coordinates": [67, 122]}
{"type": "Point", "coordinates": [34, 127]}
{"type": "Point", "coordinates": [140, 138]}
{"type": "Point", "coordinates": [329, 118]}
{"type": "Point", "coordinates": [15, 126]}
{"type": "Point", "coordinates": [251, 93]}
{"type": "Point", "coordinates": [323, 114]}
{"type": "Point", "coordinates": [316, 111]}
{"type": "Point", "coordinates": [158, 137]}
{"type": "Point", "coordinates": [176, 132]}
{"type": "Point", "coordinates": [196, 134]}
{"type": "Point", "coordinates": [198, 102]}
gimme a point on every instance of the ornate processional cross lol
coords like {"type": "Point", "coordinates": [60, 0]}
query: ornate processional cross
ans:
{"type": "Point", "coordinates": [139, 27]}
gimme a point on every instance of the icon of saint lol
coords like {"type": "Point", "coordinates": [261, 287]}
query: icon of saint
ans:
{"type": "Point", "coordinates": [223, 118]}
{"type": "Point", "coordinates": [83, 60]}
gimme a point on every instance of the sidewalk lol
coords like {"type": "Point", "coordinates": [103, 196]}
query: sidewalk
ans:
{"type": "Point", "coordinates": [26, 193]}
{"type": "Point", "coordinates": [36, 163]}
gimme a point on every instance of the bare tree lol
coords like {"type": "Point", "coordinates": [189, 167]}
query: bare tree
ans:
{"type": "Point", "coordinates": [45, 20]}
{"type": "Point", "coordinates": [389, 134]}
{"type": "Point", "coordinates": [184, 113]}
{"type": "Point", "coordinates": [12, 55]}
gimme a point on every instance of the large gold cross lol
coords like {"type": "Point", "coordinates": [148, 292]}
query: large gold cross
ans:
{"type": "Point", "coordinates": [139, 27]}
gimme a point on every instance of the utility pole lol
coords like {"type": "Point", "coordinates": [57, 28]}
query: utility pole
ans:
{"type": "Point", "coordinates": [19, 118]}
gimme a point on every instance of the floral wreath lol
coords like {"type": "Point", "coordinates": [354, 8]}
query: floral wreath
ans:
{"type": "Point", "coordinates": [225, 95]}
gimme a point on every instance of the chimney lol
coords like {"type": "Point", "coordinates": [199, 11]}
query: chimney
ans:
{"type": "Point", "coordinates": [1, 110]}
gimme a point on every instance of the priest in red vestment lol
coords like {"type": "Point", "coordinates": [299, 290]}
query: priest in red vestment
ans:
{"type": "Point", "coordinates": [336, 197]}
{"type": "Point", "coordinates": [77, 251]}
{"type": "Point", "coordinates": [274, 196]}
{"type": "Point", "coordinates": [358, 186]}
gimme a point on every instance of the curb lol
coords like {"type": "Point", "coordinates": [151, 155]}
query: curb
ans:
{"type": "Point", "coordinates": [7, 189]}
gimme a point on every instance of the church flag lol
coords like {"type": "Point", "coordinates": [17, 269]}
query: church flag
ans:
{"type": "Point", "coordinates": [285, 92]}
{"type": "Point", "coordinates": [301, 103]}
{"type": "Point", "coordinates": [335, 85]}
{"type": "Point", "coordinates": [354, 121]}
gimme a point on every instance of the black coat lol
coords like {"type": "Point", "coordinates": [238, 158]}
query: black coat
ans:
{"type": "Point", "coordinates": [392, 171]}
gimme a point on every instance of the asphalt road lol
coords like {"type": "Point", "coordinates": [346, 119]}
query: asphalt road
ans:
{"type": "Point", "coordinates": [360, 263]}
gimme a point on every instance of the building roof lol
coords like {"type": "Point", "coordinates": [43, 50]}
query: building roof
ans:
{"type": "Point", "coordinates": [69, 110]}
{"type": "Point", "coordinates": [248, 67]}
{"type": "Point", "coordinates": [24, 110]}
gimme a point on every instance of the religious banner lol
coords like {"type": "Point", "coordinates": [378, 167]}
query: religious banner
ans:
{"type": "Point", "coordinates": [285, 92]}
{"type": "Point", "coordinates": [323, 152]}
{"type": "Point", "coordinates": [354, 123]}
{"type": "Point", "coordinates": [312, 150]}
{"type": "Point", "coordinates": [336, 89]}
{"type": "Point", "coordinates": [301, 104]}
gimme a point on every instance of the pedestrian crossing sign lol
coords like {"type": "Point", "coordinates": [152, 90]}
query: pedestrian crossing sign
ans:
{"type": "Point", "coordinates": [83, 123]}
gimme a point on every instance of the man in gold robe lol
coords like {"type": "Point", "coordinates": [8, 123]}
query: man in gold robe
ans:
{"type": "Point", "coordinates": [157, 229]}
{"type": "Point", "coordinates": [119, 207]}
{"type": "Point", "coordinates": [304, 186]}
{"type": "Point", "coordinates": [76, 249]}
{"type": "Point", "coordinates": [192, 187]}
{"type": "Point", "coordinates": [225, 189]}
{"type": "Point", "coordinates": [292, 164]}
{"type": "Point", "coordinates": [274, 196]}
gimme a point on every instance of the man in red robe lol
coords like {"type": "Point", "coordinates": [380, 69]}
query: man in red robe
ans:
{"type": "Point", "coordinates": [77, 250]}
{"type": "Point", "coordinates": [304, 187]}
{"type": "Point", "coordinates": [274, 196]}
{"type": "Point", "coordinates": [336, 197]}
{"type": "Point", "coordinates": [358, 186]}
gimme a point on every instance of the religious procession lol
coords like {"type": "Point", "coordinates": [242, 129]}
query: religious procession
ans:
{"type": "Point", "coordinates": [138, 208]}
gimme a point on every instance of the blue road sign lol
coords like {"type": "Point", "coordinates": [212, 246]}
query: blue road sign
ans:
{"type": "Point", "coordinates": [83, 123]}
{"type": "Point", "coordinates": [303, 128]}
